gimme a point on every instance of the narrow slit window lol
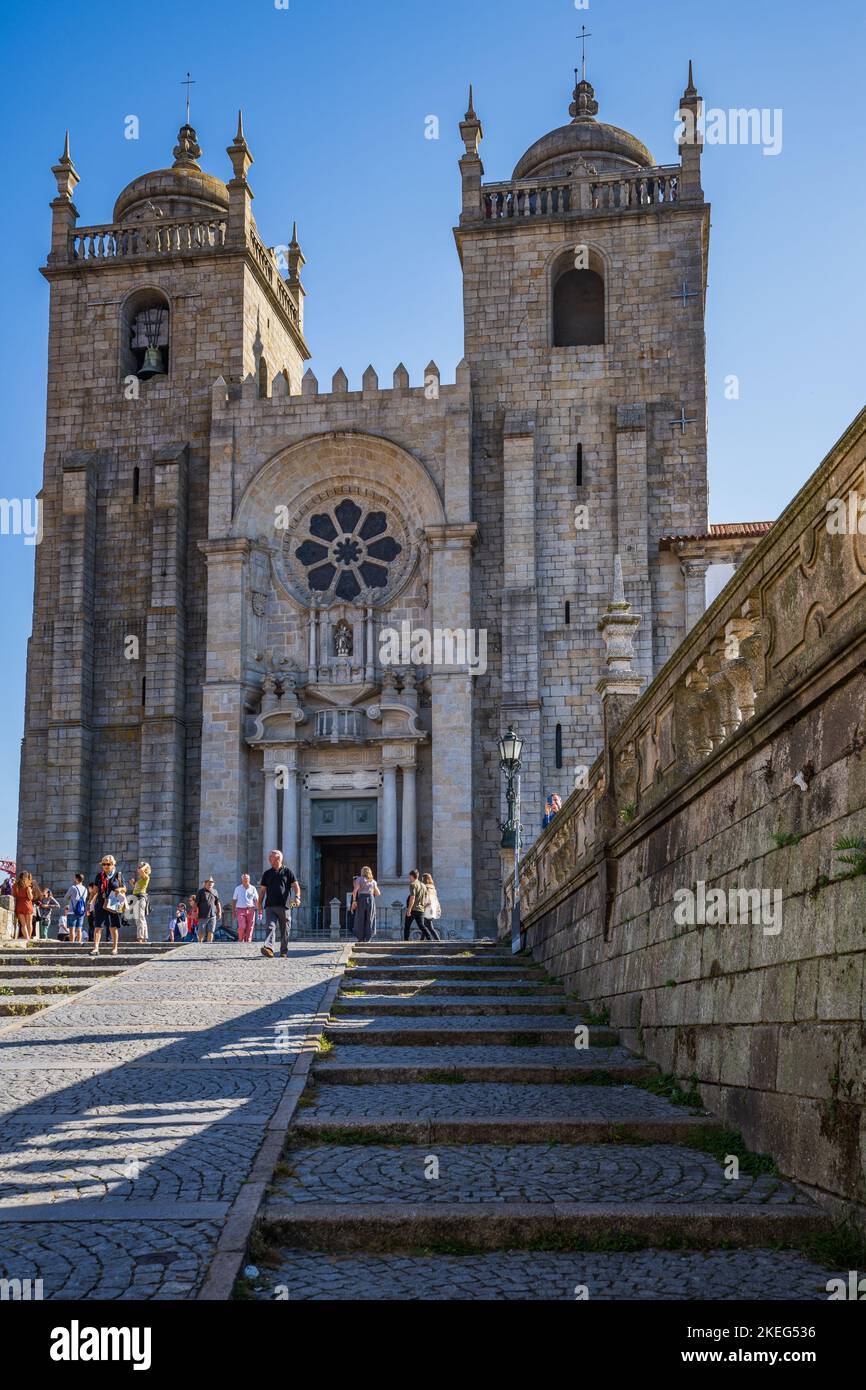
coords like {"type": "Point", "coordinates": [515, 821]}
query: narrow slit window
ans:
{"type": "Point", "coordinates": [143, 691]}
{"type": "Point", "coordinates": [579, 466]}
{"type": "Point", "coordinates": [568, 613]}
{"type": "Point", "coordinates": [136, 483]}
{"type": "Point", "coordinates": [559, 745]}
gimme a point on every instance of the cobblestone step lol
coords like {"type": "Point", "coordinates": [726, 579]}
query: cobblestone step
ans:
{"type": "Point", "coordinates": [663, 1174]}
{"type": "Point", "coordinates": [451, 1120]}
{"type": "Point", "coordinates": [466, 959]}
{"type": "Point", "coordinates": [495, 1112]}
{"type": "Point", "coordinates": [538, 1275]}
{"type": "Point", "coordinates": [475, 1005]}
{"type": "Point", "coordinates": [523, 1032]}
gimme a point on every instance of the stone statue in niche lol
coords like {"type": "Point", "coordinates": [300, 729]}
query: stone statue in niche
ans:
{"type": "Point", "coordinates": [343, 639]}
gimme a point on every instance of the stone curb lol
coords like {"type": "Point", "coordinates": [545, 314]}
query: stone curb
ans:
{"type": "Point", "coordinates": [385, 1073]}
{"type": "Point", "coordinates": [226, 1263]}
{"type": "Point", "coordinates": [536, 1129]}
{"type": "Point", "coordinates": [373, 1227]}
{"type": "Point", "coordinates": [349, 1033]}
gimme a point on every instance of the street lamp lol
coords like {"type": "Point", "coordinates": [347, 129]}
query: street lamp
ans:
{"type": "Point", "coordinates": [510, 753]}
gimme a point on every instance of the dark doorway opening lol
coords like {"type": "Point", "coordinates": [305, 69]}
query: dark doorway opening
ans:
{"type": "Point", "coordinates": [341, 858]}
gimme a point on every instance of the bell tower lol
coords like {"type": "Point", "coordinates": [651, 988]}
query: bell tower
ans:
{"type": "Point", "coordinates": [584, 279]}
{"type": "Point", "coordinates": [147, 310]}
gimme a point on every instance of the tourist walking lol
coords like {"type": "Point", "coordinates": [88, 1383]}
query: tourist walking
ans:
{"type": "Point", "coordinates": [210, 909]}
{"type": "Point", "coordinates": [416, 904]}
{"type": "Point", "coordinates": [75, 906]}
{"type": "Point", "coordinates": [279, 892]}
{"type": "Point", "coordinates": [139, 901]}
{"type": "Point", "coordinates": [192, 919]}
{"type": "Point", "coordinates": [45, 905]}
{"type": "Point", "coordinates": [177, 924]}
{"type": "Point", "coordinates": [107, 903]}
{"type": "Point", "coordinates": [432, 910]}
{"type": "Point", "coordinates": [365, 891]}
{"type": "Point", "coordinates": [245, 901]}
{"type": "Point", "coordinates": [24, 898]}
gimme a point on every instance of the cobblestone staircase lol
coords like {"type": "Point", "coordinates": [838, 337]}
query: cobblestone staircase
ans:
{"type": "Point", "coordinates": [455, 1143]}
{"type": "Point", "coordinates": [36, 974]}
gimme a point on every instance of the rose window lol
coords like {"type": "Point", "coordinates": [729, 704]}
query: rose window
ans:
{"type": "Point", "coordinates": [348, 551]}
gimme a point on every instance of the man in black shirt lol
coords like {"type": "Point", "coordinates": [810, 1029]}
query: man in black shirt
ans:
{"type": "Point", "coordinates": [279, 891]}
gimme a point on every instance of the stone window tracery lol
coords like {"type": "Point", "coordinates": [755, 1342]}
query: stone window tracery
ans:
{"type": "Point", "coordinates": [348, 551]}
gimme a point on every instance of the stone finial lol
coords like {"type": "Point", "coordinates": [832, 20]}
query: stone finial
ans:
{"type": "Point", "coordinates": [64, 173]}
{"type": "Point", "coordinates": [470, 129]}
{"type": "Point", "coordinates": [431, 370]}
{"type": "Point", "coordinates": [340, 382]}
{"type": "Point", "coordinates": [691, 89]}
{"type": "Point", "coordinates": [239, 152]}
{"type": "Point", "coordinates": [309, 385]}
{"type": "Point", "coordinates": [463, 376]}
{"type": "Point", "coordinates": [370, 380]}
{"type": "Point", "coordinates": [281, 387]}
{"type": "Point", "coordinates": [296, 259]}
{"type": "Point", "coordinates": [187, 151]}
{"type": "Point", "coordinates": [584, 105]}
{"type": "Point", "coordinates": [401, 378]}
{"type": "Point", "coordinates": [618, 626]}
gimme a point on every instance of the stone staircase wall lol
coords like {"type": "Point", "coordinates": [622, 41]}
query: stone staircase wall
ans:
{"type": "Point", "coordinates": [739, 768]}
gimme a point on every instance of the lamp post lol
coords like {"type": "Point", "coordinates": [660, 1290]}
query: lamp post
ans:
{"type": "Point", "coordinates": [510, 753]}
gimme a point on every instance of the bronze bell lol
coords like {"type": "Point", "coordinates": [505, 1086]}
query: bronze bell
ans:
{"type": "Point", "coordinates": [152, 364]}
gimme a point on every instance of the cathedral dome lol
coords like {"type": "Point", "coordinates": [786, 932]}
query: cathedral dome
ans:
{"type": "Point", "coordinates": [184, 190]}
{"type": "Point", "coordinates": [585, 142]}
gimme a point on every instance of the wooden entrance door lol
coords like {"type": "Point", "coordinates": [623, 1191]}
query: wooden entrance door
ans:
{"type": "Point", "coordinates": [342, 859]}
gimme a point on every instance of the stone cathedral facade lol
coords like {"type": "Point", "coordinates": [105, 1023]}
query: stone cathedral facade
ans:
{"type": "Point", "coordinates": [226, 541]}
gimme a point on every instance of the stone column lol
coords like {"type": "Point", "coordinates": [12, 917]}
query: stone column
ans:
{"type": "Point", "coordinates": [695, 576]}
{"type": "Point", "coordinates": [69, 687]}
{"type": "Point", "coordinates": [313, 671]}
{"type": "Point", "coordinates": [269, 822]}
{"type": "Point", "coordinates": [451, 693]}
{"type": "Point", "coordinates": [162, 819]}
{"type": "Point", "coordinates": [224, 752]}
{"type": "Point", "coordinates": [290, 817]}
{"type": "Point", "coordinates": [388, 867]}
{"type": "Point", "coordinates": [410, 834]}
{"type": "Point", "coordinates": [370, 657]}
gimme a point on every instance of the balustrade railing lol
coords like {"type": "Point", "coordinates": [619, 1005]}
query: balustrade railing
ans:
{"type": "Point", "coordinates": [557, 198]}
{"type": "Point", "coordinates": [145, 239]}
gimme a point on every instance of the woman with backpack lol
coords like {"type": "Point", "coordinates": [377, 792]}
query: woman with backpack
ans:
{"type": "Point", "coordinates": [75, 907]}
{"type": "Point", "coordinates": [432, 910]}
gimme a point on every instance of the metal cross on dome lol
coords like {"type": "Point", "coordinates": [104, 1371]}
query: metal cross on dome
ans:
{"type": "Point", "coordinates": [187, 82]}
{"type": "Point", "coordinates": [582, 38]}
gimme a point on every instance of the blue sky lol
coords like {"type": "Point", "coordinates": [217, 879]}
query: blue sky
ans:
{"type": "Point", "coordinates": [335, 98]}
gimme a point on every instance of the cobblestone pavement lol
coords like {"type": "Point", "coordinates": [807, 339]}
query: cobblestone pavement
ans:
{"type": "Point", "coordinates": [521, 1173]}
{"type": "Point", "coordinates": [131, 1117]}
{"type": "Point", "coordinates": [365, 1174]}
{"type": "Point", "coordinates": [117, 1260]}
{"type": "Point", "coordinates": [537, 1275]}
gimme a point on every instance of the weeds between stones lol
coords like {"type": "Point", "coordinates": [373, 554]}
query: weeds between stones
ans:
{"type": "Point", "coordinates": [843, 1247]}
{"type": "Point", "coordinates": [597, 1018]}
{"type": "Point", "coordinates": [725, 1143]}
{"type": "Point", "coordinates": [669, 1087]}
